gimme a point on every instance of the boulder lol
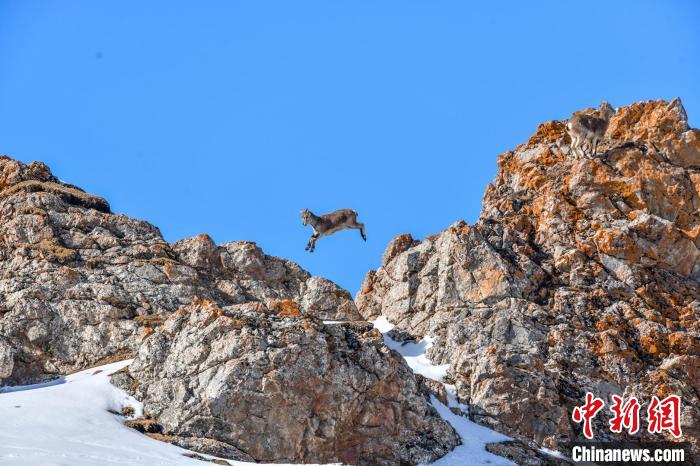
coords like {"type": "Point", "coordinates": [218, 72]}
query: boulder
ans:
{"type": "Point", "coordinates": [280, 386]}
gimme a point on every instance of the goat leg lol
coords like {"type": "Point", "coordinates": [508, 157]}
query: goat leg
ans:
{"type": "Point", "coordinates": [359, 226]}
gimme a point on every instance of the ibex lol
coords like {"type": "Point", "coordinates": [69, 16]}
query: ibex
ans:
{"type": "Point", "coordinates": [588, 129]}
{"type": "Point", "coordinates": [326, 225]}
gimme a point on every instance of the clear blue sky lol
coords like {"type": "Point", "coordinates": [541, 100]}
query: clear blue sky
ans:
{"type": "Point", "coordinates": [230, 117]}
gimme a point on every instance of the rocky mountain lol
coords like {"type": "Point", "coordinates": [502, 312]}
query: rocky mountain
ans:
{"type": "Point", "coordinates": [579, 275]}
{"type": "Point", "coordinates": [80, 285]}
{"type": "Point", "coordinates": [233, 355]}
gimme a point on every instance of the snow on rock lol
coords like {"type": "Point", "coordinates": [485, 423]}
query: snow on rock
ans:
{"type": "Point", "coordinates": [474, 437]}
{"type": "Point", "coordinates": [413, 353]}
{"type": "Point", "coordinates": [68, 422]}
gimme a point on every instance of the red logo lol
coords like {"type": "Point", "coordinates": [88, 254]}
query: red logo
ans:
{"type": "Point", "coordinates": [626, 415]}
{"type": "Point", "coordinates": [661, 415]}
{"type": "Point", "coordinates": [587, 412]}
{"type": "Point", "coordinates": [665, 415]}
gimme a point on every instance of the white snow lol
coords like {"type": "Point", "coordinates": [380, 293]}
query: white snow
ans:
{"type": "Point", "coordinates": [67, 422]}
{"type": "Point", "coordinates": [554, 453]}
{"type": "Point", "coordinates": [413, 353]}
{"type": "Point", "coordinates": [474, 440]}
{"type": "Point", "coordinates": [474, 437]}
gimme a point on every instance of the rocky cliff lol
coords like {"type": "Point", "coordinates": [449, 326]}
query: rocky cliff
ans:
{"type": "Point", "coordinates": [79, 284]}
{"type": "Point", "coordinates": [233, 356]}
{"type": "Point", "coordinates": [580, 275]}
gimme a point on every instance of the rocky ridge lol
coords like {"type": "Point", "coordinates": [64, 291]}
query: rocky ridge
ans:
{"type": "Point", "coordinates": [79, 284]}
{"type": "Point", "coordinates": [232, 355]}
{"type": "Point", "coordinates": [579, 275]}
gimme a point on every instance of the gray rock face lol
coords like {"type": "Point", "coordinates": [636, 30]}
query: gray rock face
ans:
{"type": "Point", "coordinates": [79, 285]}
{"type": "Point", "coordinates": [580, 275]}
{"type": "Point", "coordinates": [233, 357]}
{"type": "Point", "coordinates": [280, 386]}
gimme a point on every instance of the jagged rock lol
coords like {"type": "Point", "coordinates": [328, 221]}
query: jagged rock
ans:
{"type": "Point", "coordinates": [401, 336]}
{"type": "Point", "coordinates": [430, 387]}
{"type": "Point", "coordinates": [208, 447]}
{"type": "Point", "coordinates": [525, 454]}
{"type": "Point", "coordinates": [280, 386]}
{"type": "Point", "coordinates": [580, 275]}
{"type": "Point", "coordinates": [145, 425]}
{"type": "Point", "coordinates": [79, 284]}
{"type": "Point", "coordinates": [326, 300]}
{"type": "Point", "coordinates": [234, 359]}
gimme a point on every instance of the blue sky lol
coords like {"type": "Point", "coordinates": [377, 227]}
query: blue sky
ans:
{"type": "Point", "coordinates": [230, 117]}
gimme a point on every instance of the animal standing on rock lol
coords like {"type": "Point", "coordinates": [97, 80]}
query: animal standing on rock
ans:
{"type": "Point", "coordinates": [327, 224]}
{"type": "Point", "coordinates": [588, 129]}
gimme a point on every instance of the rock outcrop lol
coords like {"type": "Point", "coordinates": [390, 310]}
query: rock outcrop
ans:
{"type": "Point", "coordinates": [283, 387]}
{"type": "Point", "coordinates": [233, 357]}
{"type": "Point", "coordinates": [580, 275]}
{"type": "Point", "coordinates": [80, 285]}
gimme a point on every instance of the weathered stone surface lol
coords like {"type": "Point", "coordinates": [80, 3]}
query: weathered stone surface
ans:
{"type": "Point", "coordinates": [207, 446]}
{"type": "Point", "coordinates": [525, 454]}
{"type": "Point", "coordinates": [580, 275]}
{"type": "Point", "coordinates": [79, 284]}
{"type": "Point", "coordinates": [281, 386]}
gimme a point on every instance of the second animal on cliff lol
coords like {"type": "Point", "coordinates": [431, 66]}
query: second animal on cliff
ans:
{"type": "Point", "coordinates": [587, 129]}
{"type": "Point", "coordinates": [327, 224]}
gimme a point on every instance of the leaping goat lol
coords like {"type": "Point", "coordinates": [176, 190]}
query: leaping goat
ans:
{"type": "Point", "coordinates": [327, 224]}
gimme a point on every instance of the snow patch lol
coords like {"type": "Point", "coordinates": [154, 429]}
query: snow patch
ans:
{"type": "Point", "coordinates": [474, 436]}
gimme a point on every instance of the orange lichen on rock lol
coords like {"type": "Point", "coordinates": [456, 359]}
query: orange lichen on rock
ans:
{"type": "Point", "coordinates": [549, 133]}
{"type": "Point", "coordinates": [204, 306]}
{"type": "Point", "coordinates": [654, 344]}
{"type": "Point", "coordinates": [683, 343]}
{"type": "Point", "coordinates": [285, 308]}
{"type": "Point", "coordinates": [616, 243]}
